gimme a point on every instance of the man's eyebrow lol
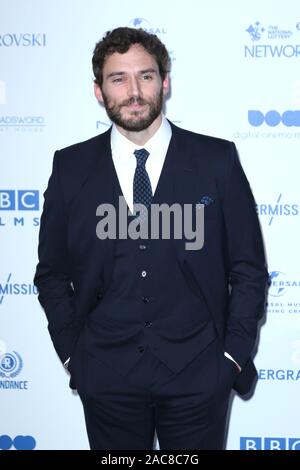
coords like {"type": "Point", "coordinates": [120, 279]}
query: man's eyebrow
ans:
{"type": "Point", "coordinates": [148, 71]}
{"type": "Point", "coordinates": [113, 74]}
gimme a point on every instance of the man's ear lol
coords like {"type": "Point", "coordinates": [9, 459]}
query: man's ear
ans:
{"type": "Point", "coordinates": [166, 85]}
{"type": "Point", "coordinates": [98, 92]}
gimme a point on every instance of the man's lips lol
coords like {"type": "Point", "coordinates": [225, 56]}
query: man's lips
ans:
{"type": "Point", "coordinates": [135, 106]}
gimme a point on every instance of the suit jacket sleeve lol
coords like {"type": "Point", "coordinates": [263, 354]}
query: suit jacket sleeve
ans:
{"type": "Point", "coordinates": [248, 275]}
{"type": "Point", "coordinates": [52, 277]}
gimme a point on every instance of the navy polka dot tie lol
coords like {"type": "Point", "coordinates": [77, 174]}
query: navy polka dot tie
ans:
{"type": "Point", "coordinates": [142, 191]}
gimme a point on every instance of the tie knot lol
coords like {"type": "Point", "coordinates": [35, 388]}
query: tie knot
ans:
{"type": "Point", "coordinates": [141, 156]}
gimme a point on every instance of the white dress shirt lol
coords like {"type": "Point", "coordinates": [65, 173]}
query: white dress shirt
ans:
{"type": "Point", "coordinates": [125, 160]}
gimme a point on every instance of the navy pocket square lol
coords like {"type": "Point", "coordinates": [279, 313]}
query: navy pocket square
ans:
{"type": "Point", "coordinates": [206, 200]}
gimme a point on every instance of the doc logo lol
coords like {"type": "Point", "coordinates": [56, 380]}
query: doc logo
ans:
{"type": "Point", "coordinates": [11, 364]}
{"type": "Point", "coordinates": [269, 443]}
{"type": "Point", "coordinates": [273, 118]}
{"type": "Point", "coordinates": [19, 442]}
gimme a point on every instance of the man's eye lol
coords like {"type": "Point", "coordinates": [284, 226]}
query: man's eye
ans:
{"type": "Point", "coordinates": [147, 77]}
{"type": "Point", "coordinates": [117, 80]}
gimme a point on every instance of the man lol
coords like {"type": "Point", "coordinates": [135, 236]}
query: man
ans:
{"type": "Point", "coordinates": [155, 336]}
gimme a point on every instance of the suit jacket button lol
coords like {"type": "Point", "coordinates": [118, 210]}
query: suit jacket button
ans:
{"type": "Point", "coordinates": [146, 299]}
{"type": "Point", "coordinates": [141, 349]}
{"type": "Point", "coordinates": [148, 324]}
{"type": "Point", "coordinates": [99, 295]}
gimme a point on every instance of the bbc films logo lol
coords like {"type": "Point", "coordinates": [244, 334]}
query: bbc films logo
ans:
{"type": "Point", "coordinates": [19, 442]}
{"type": "Point", "coordinates": [21, 202]}
{"type": "Point", "coordinates": [283, 295]}
{"type": "Point", "coordinates": [23, 40]}
{"type": "Point", "coordinates": [272, 41]}
{"type": "Point", "coordinates": [11, 365]}
{"type": "Point", "coordinates": [279, 209]}
{"type": "Point", "coordinates": [269, 443]}
{"type": "Point", "coordinates": [10, 288]}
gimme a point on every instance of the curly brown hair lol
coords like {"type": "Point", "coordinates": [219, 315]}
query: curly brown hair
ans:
{"type": "Point", "coordinates": [119, 40]}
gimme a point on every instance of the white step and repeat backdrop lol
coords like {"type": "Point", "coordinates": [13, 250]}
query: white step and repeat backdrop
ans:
{"type": "Point", "coordinates": [235, 75]}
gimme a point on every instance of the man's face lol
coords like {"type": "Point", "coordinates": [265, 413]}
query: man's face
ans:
{"type": "Point", "coordinates": [132, 90]}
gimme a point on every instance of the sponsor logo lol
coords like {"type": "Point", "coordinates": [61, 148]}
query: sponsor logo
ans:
{"type": "Point", "coordinates": [279, 209]}
{"type": "Point", "coordinates": [287, 375]}
{"type": "Point", "coordinates": [11, 365]}
{"type": "Point", "coordinates": [281, 284]}
{"type": "Point", "coordinates": [273, 118]}
{"type": "Point", "coordinates": [255, 30]}
{"type": "Point", "coordinates": [23, 40]}
{"type": "Point", "coordinates": [19, 442]}
{"type": "Point", "coordinates": [144, 24]}
{"type": "Point", "coordinates": [26, 123]}
{"type": "Point", "coordinates": [16, 288]}
{"type": "Point", "coordinates": [269, 443]}
{"type": "Point", "coordinates": [18, 200]}
{"type": "Point", "coordinates": [278, 283]}
{"type": "Point", "coordinates": [272, 41]}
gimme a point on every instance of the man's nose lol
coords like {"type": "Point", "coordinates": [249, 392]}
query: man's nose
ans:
{"type": "Point", "coordinates": [133, 88]}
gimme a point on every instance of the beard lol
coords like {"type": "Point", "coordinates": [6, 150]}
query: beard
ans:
{"type": "Point", "coordinates": [136, 122]}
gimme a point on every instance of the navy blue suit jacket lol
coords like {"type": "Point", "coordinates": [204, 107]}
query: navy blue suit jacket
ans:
{"type": "Point", "coordinates": [75, 267]}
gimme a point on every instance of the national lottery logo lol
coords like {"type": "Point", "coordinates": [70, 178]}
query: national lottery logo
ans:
{"type": "Point", "coordinates": [273, 32]}
{"type": "Point", "coordinates": [272, 41]}
{"type": "Point", "coordinates": [255, 31]}
{"type": "Point", "coordinates": [11, 365]}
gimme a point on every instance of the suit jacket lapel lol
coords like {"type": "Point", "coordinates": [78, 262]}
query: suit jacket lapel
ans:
{"type": "Point", "coordinates": [101, 188]}
{"type": "Point", "coordinates": [187, 181]}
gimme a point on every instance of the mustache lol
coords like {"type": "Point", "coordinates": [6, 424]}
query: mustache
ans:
{"type": "Point", "coordinates": [134, 100]}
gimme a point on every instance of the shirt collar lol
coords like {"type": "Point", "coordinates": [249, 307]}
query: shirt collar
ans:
{"type": "Point", "coordinates": [122, 146]}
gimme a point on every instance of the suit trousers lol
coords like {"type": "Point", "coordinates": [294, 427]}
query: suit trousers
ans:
{"type": "Point", "coordinates": [187, 410]}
